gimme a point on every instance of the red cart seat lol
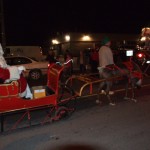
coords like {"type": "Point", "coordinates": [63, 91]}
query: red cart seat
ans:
{"type": "Point", "coordinates": [9, 89]}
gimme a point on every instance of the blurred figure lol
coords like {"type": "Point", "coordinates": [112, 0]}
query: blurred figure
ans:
{"type": "Point", "coordinates": [3, 63]}
{"type": "Point", "coordinates": [51, 57]}
{"type": "Point", "coordinates": [68, 64]}
{"type": "Point", "coordinates": [67, 72]}
{"type": "Point", "coordinates": [67, 58]}
{"type": "Point", "coordinates": [67, 52]}
{"type": "Point", "coordinates": [94, 60]}
{"type": "Point", "coordinates": [82, 62]}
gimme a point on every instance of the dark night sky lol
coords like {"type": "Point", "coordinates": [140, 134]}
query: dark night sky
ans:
{"type": "Point", "coordinates": [29, 22]}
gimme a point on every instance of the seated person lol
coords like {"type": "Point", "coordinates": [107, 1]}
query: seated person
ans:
{"type": "Point", "coordinates": [15, 73]}
{"type": "Point", "coordinates": [68, 65]}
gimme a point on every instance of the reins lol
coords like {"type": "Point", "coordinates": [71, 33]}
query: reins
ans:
{"type": "Point", "coordinates": [113, 67]}
{"type": "Point", "coordinates": [129, 66]}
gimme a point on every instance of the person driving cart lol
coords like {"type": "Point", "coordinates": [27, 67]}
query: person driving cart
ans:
{"type": "Point", "coordinates": [68, 67]}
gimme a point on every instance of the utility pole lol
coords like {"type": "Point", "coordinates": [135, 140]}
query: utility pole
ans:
{"type": "Point", "coordinates": [2, 27]}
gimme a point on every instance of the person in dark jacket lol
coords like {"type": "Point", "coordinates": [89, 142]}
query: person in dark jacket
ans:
{"type": "Point", "coordinates": [94, 60]}
{"type": "Point", "coordinates": [51, 57]}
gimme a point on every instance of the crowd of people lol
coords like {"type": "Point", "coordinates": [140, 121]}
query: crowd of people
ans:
{"type": "Point", "coordinates": [96, 58]}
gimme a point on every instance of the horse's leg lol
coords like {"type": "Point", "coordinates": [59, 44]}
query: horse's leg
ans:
{"type": "Point", "coordinates": [126, 91]}
{"type": "Point", "coordinates": [106, 74]}
{"type": "Point", "coordinates": [109, 85]}
{"type": "Point", "coordinates": [101, 85]}
{"type": "Point", "coordinates": [133, 92]}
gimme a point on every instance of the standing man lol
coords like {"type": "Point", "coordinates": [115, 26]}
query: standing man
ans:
{"type": "Point", "coordinates": [105, 53]}
{"type": "Point", "coordinates": [105, 58]}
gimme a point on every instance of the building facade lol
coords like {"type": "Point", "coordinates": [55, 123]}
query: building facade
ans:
{"type": "Point", "coordinates": [80, 41]}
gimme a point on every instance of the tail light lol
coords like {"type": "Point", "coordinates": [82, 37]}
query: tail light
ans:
{"type": "Point", "coordinates": [140, 55]}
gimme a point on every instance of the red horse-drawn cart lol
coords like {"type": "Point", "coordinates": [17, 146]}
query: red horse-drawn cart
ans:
{"type": "Point", "coordinates": [55, 97]}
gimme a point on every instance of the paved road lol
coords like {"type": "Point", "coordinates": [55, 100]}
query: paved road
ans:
{"type": "Point", "coordinates": [91, 127]}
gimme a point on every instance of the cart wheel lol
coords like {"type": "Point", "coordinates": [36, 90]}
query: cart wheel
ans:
{"type": "Point", "coordinates": [65, 92]}
{"type": "Point", "coordinates": [67, 98]}
{"type": "Point", "coordinates": [35, 74]}
{"type": "Point", "coordinates": [71, 105]}
{"type": "Point", "coordinates": [51, 112]}
{"type": "Point", "coordinates": [61, 113]}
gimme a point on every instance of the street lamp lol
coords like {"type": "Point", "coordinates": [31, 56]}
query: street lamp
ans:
{"type": "Point", "coordinates": [54, 41]}
{"type": "Point", "coordinates": [67, 37]}
{"type": "Point", "coordinates": [86, 38]}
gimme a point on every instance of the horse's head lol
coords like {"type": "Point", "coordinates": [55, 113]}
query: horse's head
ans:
{"type": "Point", "coordinates": [133, 71]}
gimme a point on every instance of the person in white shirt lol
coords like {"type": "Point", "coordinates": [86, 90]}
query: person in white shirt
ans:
{"type": "Point", "coordinates": [105, 53]}
{"type": "Point", "coordinates": [105, 57]}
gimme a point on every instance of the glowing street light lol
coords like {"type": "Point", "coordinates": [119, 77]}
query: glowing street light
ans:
{"type": "Point", "coordinates": [54, 41]}
{"type": "Point", "coordinates": [67, 37]}
{"type": "Point", "coordinates": [86, 38]}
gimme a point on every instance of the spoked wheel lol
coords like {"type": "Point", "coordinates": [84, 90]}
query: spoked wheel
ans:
{"type": "Point", "coordinates": [50, 115]}
{"type": "Point", "coordinates": [67, 98]}
{"type": "Point", "coordinates": [35, 74]}
{"type": "Point", "coordinates": [61, 113]}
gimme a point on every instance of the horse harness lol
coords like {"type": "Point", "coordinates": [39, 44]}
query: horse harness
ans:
{"type": "Point", "coordinates": [129, 66]}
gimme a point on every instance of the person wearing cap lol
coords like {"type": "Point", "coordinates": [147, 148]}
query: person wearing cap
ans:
{"type": "Point", "coordinates": [105, 57]}
{"type": "Point", "coordinates": [105, 53]}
